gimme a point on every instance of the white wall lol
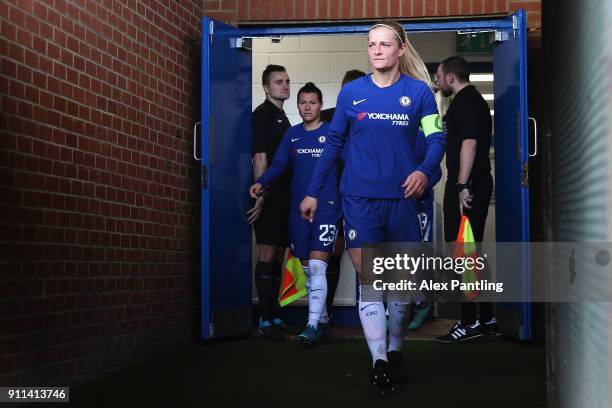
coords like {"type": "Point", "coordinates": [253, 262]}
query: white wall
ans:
{"type": "Point", "coordinates": [319, 59]}
{"type": "Point", "coordinates": [324, 60]}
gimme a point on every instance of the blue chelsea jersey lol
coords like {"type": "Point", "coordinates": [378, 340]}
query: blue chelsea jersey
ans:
{"type": "Point", "coordinates": [298, 153]}
{"type": "Point", "coordinates": [379, 127]}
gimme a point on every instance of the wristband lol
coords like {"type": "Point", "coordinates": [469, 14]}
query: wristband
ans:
{"type": "Point", "coordinates": [461, 187]}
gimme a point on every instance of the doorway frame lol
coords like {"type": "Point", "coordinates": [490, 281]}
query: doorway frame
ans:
{"type": "Point", "coordinates": [502, 22]}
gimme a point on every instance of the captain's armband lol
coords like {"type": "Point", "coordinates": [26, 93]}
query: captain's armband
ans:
{"type": "Point", "coordinates": [431, 124]}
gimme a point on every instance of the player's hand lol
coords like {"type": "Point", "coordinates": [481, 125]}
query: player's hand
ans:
{"type": "Point", "coordinates": [308, 207]}
{"type": "Point", "coordinates": [415, 184]}
{"type": "Point", "coordinates": [465, 200]}
{"type": "Point", "coordinates": [256, 190]}
{"type": "Point", "coordinates": [255, 212]}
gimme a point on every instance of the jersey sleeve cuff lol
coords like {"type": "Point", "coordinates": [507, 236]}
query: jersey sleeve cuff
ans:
{"type": "Point", "coordinates": [312, 194]}
{"type": "Point", "coordinates": [427, 174]}
{"type": "Point", "coordinates": [263, 181]}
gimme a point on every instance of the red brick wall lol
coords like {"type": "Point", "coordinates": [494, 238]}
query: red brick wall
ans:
{"type": "Point", "coordinates": [281, 10]}
{"type": "Point", "coordinates": [98, 200]}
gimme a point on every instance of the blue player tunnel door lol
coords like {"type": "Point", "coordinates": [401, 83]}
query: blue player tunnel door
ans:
{"type": "Point", "coordinates": [226, 174]}
{"type": "Point", "coordinates": [226, 160]}
{"type": "Point", "coordinates": [512, 162]}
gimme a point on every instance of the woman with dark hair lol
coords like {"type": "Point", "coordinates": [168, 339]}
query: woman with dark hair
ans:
{"type": "Point", "coordinates": [312, 243]}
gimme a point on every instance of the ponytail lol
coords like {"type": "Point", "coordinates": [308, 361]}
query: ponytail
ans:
{"type": "Point", "coordinates": [412, 65]}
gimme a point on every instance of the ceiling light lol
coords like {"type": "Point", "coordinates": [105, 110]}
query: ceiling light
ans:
{"type": "Point", "coordinates": [481, 77]}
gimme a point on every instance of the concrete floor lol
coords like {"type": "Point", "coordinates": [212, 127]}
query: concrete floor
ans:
{"type": "Point", "coordinates": [493, 372]}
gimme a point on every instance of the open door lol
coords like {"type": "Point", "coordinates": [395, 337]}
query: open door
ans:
{"type": "Point", "coordinates": [511, 162]}
{"type": "Point", "coordinates": [226, 161]}
{"type": "Point", "coordinates": [226, 174]}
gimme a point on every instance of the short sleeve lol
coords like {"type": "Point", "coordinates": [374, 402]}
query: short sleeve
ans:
{"type": "Point", "coordinates": [279, 163]}
{"type": "Point", "coordinates": [467, 126]}
{"type": "Point", "coordinates": [260, 132]}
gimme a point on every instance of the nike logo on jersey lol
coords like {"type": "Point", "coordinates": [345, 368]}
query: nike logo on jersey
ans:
{"type": "Point", "coordinates": [365, 307]}
{"type": "Point", "coordinates": [327, 243]}
{"type": "Point", "coordinates": [295, 140]}
{"type": "Point", "coordinates": [279, 120]}
{"type": "Point", "coordinates": [315, 290]}
{"type": "Point", "coordinates": [355, 103]}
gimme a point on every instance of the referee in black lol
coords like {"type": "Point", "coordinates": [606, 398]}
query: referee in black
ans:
{"type": "Point", "coordinates": [270, 214]}
{"type": "Point", "coordinates": [469, 184]}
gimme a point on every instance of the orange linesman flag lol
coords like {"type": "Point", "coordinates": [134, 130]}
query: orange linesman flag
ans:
{"type": "Point", "coordinates": [466, 248]}
{"type": "Point", "coordinates": [293, 285]}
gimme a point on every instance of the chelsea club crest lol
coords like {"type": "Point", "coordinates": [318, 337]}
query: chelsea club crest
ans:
{"type": "Point", "coordinates": [405, 101]}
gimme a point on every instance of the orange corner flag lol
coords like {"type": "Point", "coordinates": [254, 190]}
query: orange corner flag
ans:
{"type": "Point", "coordinates": [466, 248]}
{"type": "Point", "coordinates": [293, 285]}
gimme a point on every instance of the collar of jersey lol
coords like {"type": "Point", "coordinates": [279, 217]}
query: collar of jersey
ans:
{"type": "Point", "coordinates": [301, 125]}
{"type": "Point", "coordinates": [267, 101]}
{"type": "Point", "coordinates": [372, 84]}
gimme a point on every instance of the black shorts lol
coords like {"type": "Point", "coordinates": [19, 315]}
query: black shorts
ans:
{"type": "Point", "coordinates": [272, 226]}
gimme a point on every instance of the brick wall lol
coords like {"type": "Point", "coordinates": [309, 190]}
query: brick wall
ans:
{"type": "Point", "coordinates": [282, 10]}
{"type": "Point", "coordinates": [98, 197]}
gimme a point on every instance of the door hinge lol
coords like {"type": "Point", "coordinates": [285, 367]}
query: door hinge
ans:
{"type": "Point", "coordinates": [501, 36]}
{"type": "Point", "coordinates": [525, 181]}
{"type": "Point", "coordinates": [211, 30]}
{"type": "Point", "coordinates": [514, 26]}
{"type": "Point", "coordinates": [243, 43]}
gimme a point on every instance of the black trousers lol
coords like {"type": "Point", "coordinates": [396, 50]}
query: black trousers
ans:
{"type": "Point", "coordinates": [481, 187]}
